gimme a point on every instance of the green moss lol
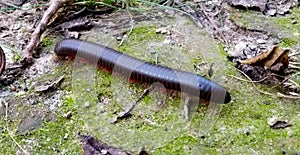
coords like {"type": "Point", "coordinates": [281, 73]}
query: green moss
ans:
{"type": "Point", "coordinates": [288, 42]}
{"type": "Point", "coordinates": [46, 41]}
{"type": "Point", "coordinates": [16, 56]}
{"type": "Point", "coordinates": [95, 97]}
{"type": "Point", "coordinates": [138, 37]}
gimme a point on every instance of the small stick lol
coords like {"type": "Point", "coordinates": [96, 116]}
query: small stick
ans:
{"type": "Point", "coordinates": [186, 108]}
{"type": "Point", "coordinates": [293, 66]}
{"type": "Point", "coordinates": [278, 93]}
{"type": "Point", "coordinates": [294, 54]}
{"type": "Point", "coordinates": [127, 111]}
{"type": "Point", "coordinates": [265, 78]}
{"type": "Point", "coordinates": [254, 84]}
{"type": "Point", "coordinates": [8, 4]}
{"type": "Point", "coordinates": [287, 96]}
{"type": "Point", "coordinates": [131, 28]}
{"type": "Point", "coordinates": [36, 35]}
{"type": "Point", "coordinates": [9, 131]}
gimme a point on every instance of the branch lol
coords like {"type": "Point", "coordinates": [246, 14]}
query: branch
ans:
{"type": "Point", "coordinates": [36, 35]}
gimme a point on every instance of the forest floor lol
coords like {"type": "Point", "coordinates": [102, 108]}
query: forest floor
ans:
{"type": "Point", "coordinates": [46, 105]}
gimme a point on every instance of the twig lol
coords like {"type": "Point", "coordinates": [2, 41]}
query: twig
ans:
{"type": "Point", "coordinates": [287, 96]}
{"type": "Point", "coordinates": [278, 93]}
{"type": "Point", "coordinates": [294, 54]}
{"type": "Point", "coordinates": [127, 111]}
{"type": "Point", "coordinates": [8, 130]}
{"type": "Point", "coordinates": [295, 63]}
{"type": "Point", "coordinates": [255, 152]}
{"type": "Point", "coordinates": [36, 35]}
{"type": "Point", "coordinates": [8, 4]}
{"type": "Point", "coordinates": [254, 84]}
{"type": "Point", "coordinates": [131, 28]}
{"type": "Point", "coordinates": [265, 78]}
{"type": "Point", "coordinates": [293, 66]}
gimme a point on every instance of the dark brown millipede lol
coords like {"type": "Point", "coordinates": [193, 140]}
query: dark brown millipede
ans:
{"type": "Point", "coordinates": [140, 70]}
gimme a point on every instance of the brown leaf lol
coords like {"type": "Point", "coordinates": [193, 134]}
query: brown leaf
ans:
{"type": "Point", "coordinates": [274, 56]}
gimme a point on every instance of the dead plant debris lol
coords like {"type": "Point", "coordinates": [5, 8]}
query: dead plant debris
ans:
{"type": "Point", "coordinates": [271, 58]}
{"type": "Point", "coordinates": [49, 86]}
{"type": "Point", "coordinates": [276, 123]}
{"type": "Point", "coordinates": [92, 146]}
{"type": "Point", "coordinates": [268, 7]}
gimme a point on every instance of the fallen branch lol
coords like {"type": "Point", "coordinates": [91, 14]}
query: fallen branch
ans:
{"type": "Point", "coordinates": [36, 35]}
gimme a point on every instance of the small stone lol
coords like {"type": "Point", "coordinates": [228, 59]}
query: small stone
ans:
{"type": "Point", "coordinates": [158, 30]}
{"type": "Point", "coordinates": [283, 152]}
{"type": "Point", "coordinates": [66, 136]}
{"type": "Point", "coordinates": [266, 102]}
{"type": "Point", "coordinates": [163, 30]}
{"type": "Point", "coordinates": [252, 47]}
{"type": "Point", "coordinates": [247, 132]}
{"type": "Point", "coordinates": [294, 21]}
{"type": "Point", "coordinates": [119, 38]}
{"type": "Point", "coordinates": [68, 115]}
{"type": "Point", "coordinates": [103, 151]}
{"type": "Point", "coordinates": [240, 46]}
{"type": "Point", "coordinates": [13, 88]}
{"type": "Point", "coordinates": [271, 12]}
{"type": "Point", "coordinates": [86, 104]}
{"type": "Point", "coordinates": [261, 41]}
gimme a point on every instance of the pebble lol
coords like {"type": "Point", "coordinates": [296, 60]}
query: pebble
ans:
{"type": "Point", "coordinates": [247, 133]}
{"type": "Point", "coordinates": [119, 38]}
{"type": "Point", "coordinates": [266, 102]}
{"type": "Point", "coordinates": [261, 41]}
{"type": "Point", "coordinates": [271, 12]}
{"type": "Point", "coordinates": [163, 30]}
{"type": "Point", "coordinates": [68, 115]}
{"type": "Point", "coordinates": [294, 21]}
{"type": "Point", "coordinates": [103, 151]}
{"type": "Point", "coordinates": [283, 152]}
{"type": "Point", "coordinates": [13, 88]}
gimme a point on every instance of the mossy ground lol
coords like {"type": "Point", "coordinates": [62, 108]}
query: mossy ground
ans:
{"type": "Point", "coordinates": [94, 97]}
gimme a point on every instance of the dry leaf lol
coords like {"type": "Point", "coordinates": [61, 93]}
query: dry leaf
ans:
{"type": "Point", "coordinates": [274, 56]}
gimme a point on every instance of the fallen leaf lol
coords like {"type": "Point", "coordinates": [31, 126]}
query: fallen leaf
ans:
{"type": "Point", "coordinates": [51, 86]}
{"type": "Point", "coordinates": [274, 56]}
